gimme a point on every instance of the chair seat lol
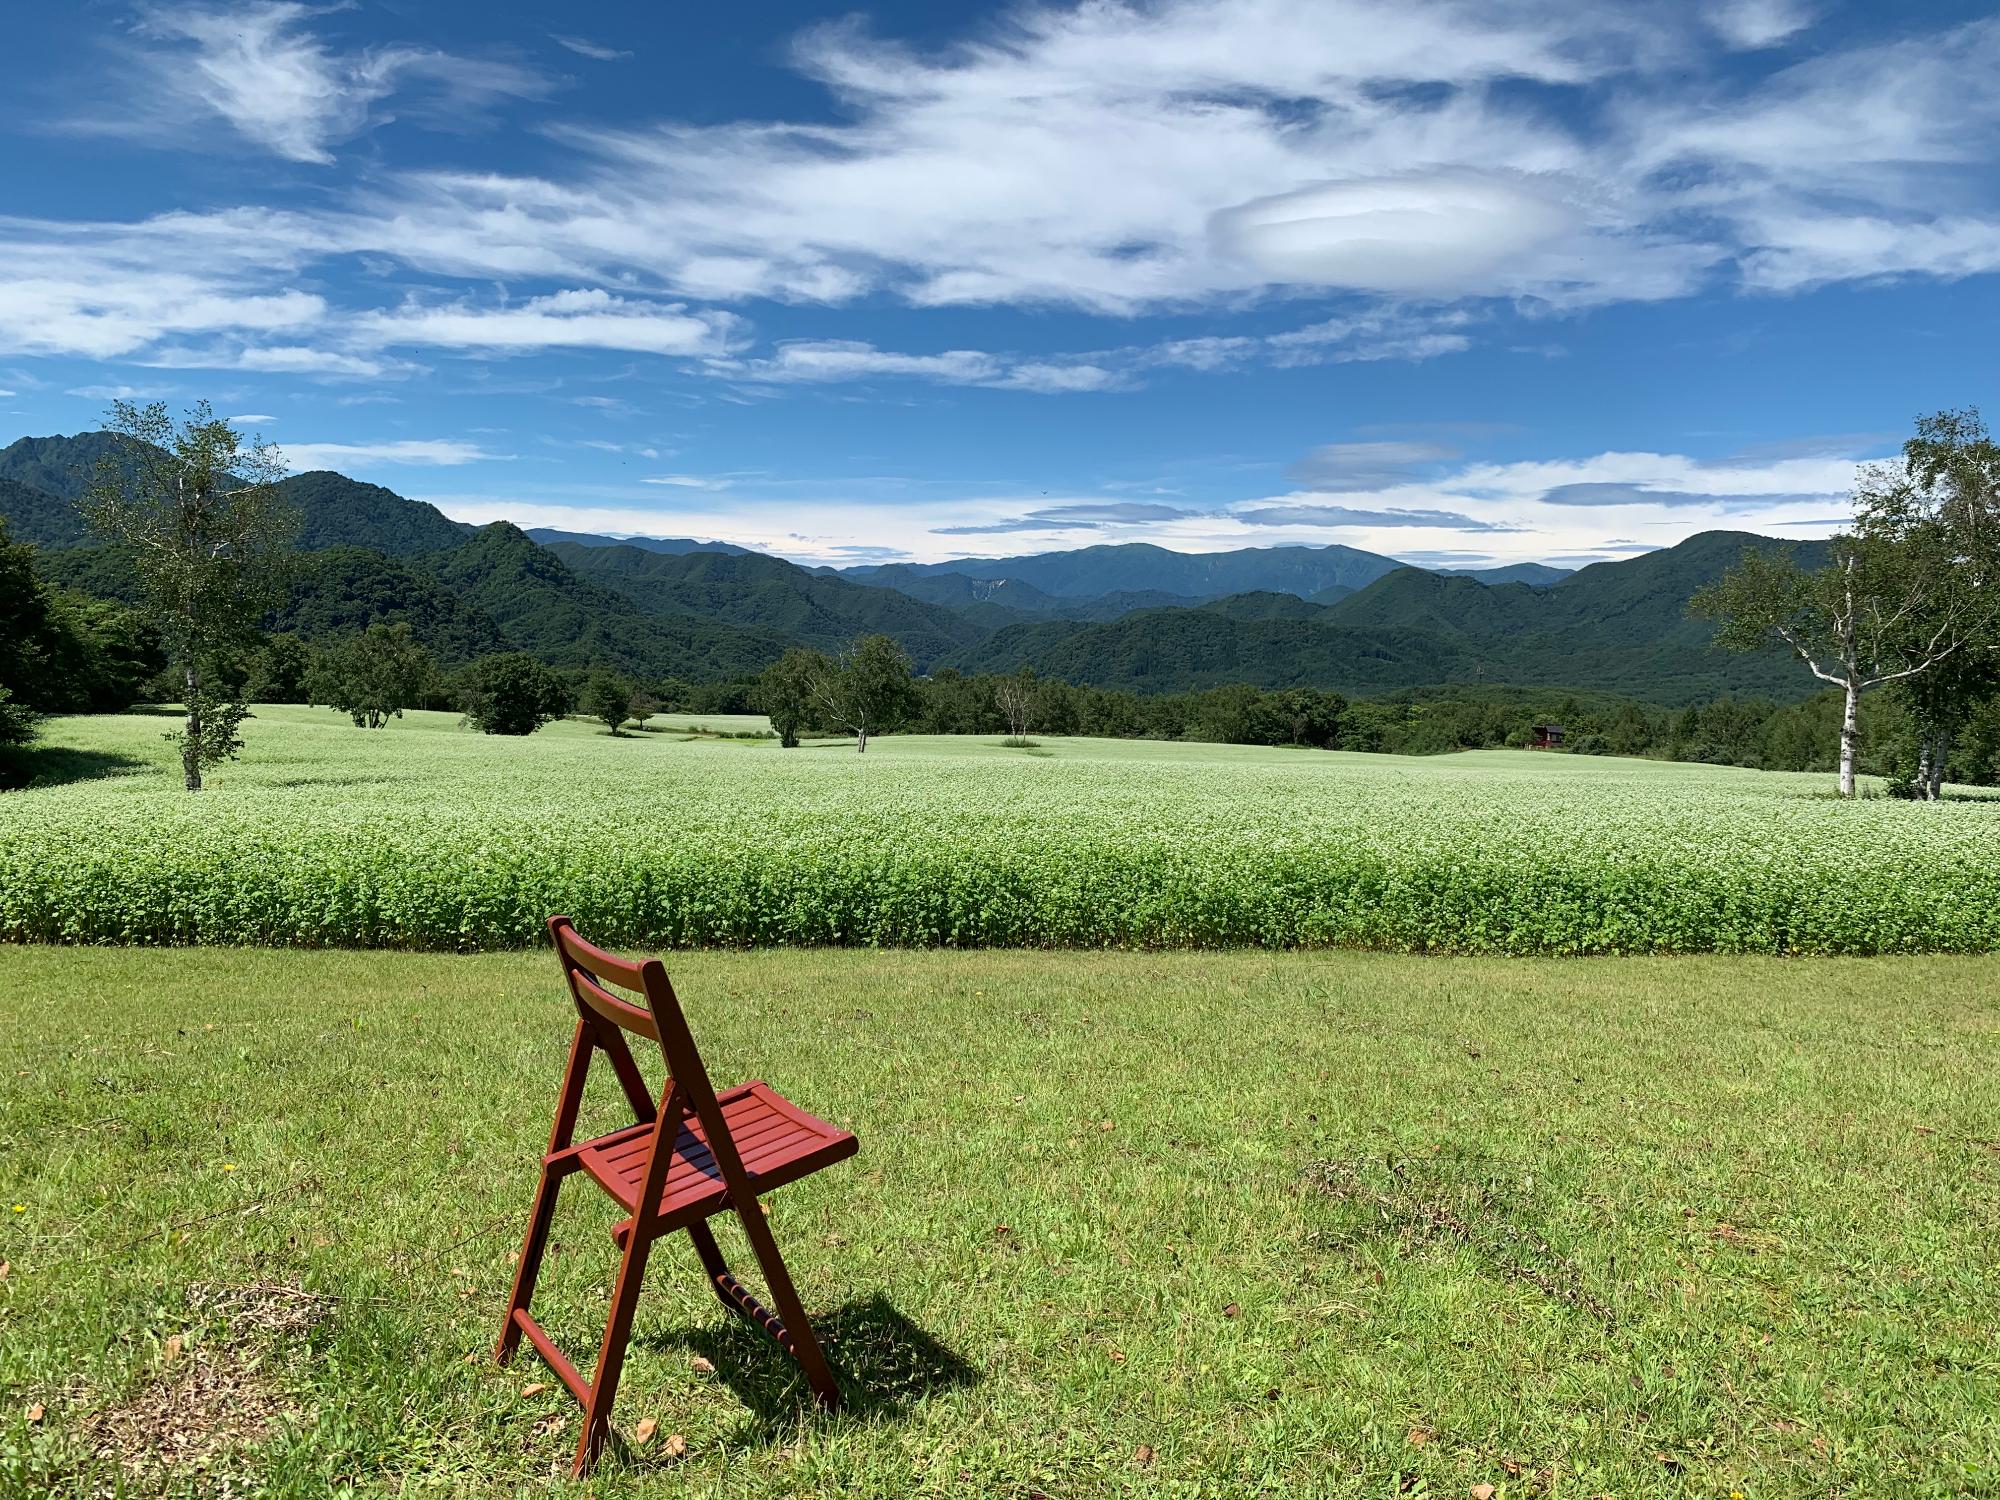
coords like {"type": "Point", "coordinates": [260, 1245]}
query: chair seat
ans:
{"type": "Point", "coordinates": [778, 1141]}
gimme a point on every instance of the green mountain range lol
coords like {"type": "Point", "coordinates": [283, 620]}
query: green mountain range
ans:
{"type": "Point", "coordinates": [1129, 616]}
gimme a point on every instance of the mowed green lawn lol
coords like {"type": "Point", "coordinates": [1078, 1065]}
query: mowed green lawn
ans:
{"type": "Point", "coordinates": [1152, 1224]}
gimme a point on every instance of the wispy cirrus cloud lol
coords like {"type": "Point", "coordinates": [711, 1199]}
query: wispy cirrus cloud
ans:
{"type": "Point", "coordinates": [261, 70]}
{"type": "Point", "coordinates": [1296, 514]}
{"type": "Point", "coordinates": [1078, 516]}
{"type": "Point", "coordinates": [584, 47]}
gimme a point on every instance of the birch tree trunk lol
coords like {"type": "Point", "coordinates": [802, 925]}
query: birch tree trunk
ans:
{"type": "Point", "coordinates": [191, 740]}
{"type": "Point", "coordinates": [861, 739]}
{"type": "Point", "coordinates": [1940, 750]}
{"type": "Point", "coordinates": [1850, 735]}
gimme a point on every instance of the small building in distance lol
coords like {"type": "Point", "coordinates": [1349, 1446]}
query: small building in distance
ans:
{"type": "Point", "coordinates": [1546, 737]}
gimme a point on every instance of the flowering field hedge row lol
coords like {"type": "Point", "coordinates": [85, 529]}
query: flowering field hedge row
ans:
{"type": "Point", "coordinates": [424, 836]}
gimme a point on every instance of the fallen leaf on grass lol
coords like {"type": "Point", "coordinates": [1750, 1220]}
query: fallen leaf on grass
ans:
{"type": "Point", "coordinates": [35, 1413]}
{"type": "Point", "coordinates": [643, 1433]}
{"type": "Point", "coordinates": [702, 1366]}
{"type": "Point", "coordinates": [1142, 1455]}
{"type": "Point", "coordinates": [676, 1445]}
{"type": "Point", "coordinates": [1417, 1436]}
{"type": "Point", "coordinates": [1118, 1356]}
{"type": "Point", "coordinates": [532, 1390]}
{"type": "Point", "coordinates": [1232, 1310]}
{"type": "Point", "coordinates": [1003, 1229]}
{"type": "Point", "coordinates": [173, 1349]}
{"type": "Point", "coordinates": [4, 1269]}
{"type": "Point", "coordinates": [1483, 1492]}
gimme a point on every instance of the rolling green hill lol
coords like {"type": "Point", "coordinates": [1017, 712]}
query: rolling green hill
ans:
{"type": "Point", "coordinates": [335, 511]}
{"type": "Point", "coordinates": [56, 465]}
{"type": "Point", "coordinates": [1619, 627]}
{"type": "Point", "coordinates": [35, 515]}
{"type": "Point", "coordinates": [542, 606]}
{"type": "Point", "coordinates": [549, 535]}
{"type": "Point", "coordinates": [1139, 567]}
{"type": "Point", "coordinates": [762, 593]}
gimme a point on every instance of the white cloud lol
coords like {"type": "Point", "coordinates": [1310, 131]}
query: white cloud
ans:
{"type": "Point", "coordinates": [1424, 501]}
{"type": "Point", "coordinates": [103, 291]}
{"type": "Point", "coordinates": [577, 319]}
{"type": "Point", "coordinates": [1418, 233]}
{"type": "Point", "coordinates": [1123, 158]}
{"type": "Point", "coordinates": [259, 69]}
{"type": "Point", "coordinates": [425, 452]}
{"type": "Point", "coordinates": [251, 417]}
{"type": "Point", "coordinates": [1114, 157]}
{"type": "Point", "coordinates": [584, 47]}
{"type": "Point", "coordinates": [687, 481]}
{"type": "Point", "coordinates": [117, 392]}
{"type": "Point", "coordinates": [1751, 25]}
{"type": "Point", "coordinates": [848, 359]}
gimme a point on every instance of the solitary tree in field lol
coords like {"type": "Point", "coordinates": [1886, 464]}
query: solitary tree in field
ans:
{"type": "Point", "coordinates": [785, 693]}
{"type": "Point", "coordinates": [1941, 507]}
{"type": "Point", "coordinates": [608, 697]}
{"type": "Point", "coordinates": [512, 693]}
{"type": "Point", "coordinates": [200, 510]}
{"type": "Point", "coordinates": [1875, 614]}
{"type": "Point", "coordinates": [1016, 697]}
{"type": "Point", "coordinates": [373, 676]}
{"type": "Point", "coordinates": [866, 690]}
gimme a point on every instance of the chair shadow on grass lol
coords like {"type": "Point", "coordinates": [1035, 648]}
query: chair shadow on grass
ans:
{"type": "Point", "coordinates": [885, 1364]}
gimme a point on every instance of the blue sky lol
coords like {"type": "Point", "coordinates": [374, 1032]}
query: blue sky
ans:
{"type": "Point", "coordinates": [1462, 283]}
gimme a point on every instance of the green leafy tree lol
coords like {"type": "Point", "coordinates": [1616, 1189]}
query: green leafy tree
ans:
{"type": "Point", "coordinates": [785, 693]}
{"type": "Point", "coordinates": [31, 645]}
{"type": "Point", "coordinates": [1941, 508]}
{"type": "Point", "coordinates": [608, 697]}
{"type": "Point", "coordinates": [279, 671]}
{"type": "Point", "coordinates": [1872, 616]}
{"type": "Point", "coordinates": [374, 676]}
{"type": "Point", "coordinates": [511, 693]}
{"type": "Point", "coordinates": [866, 690]}
{"type": "Point", "coordinates": [209, 533]}
{"type": "Point", "coordinates": [18, 722]}
{"type": "Point", "coordinates": [1312, 717]}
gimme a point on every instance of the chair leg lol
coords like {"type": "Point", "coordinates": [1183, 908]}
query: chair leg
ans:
{"type": "Point", "coordinates": [611, 1354]}
{"type": "Point", "coordinates": [791, 1312]}
{"type": "Point", "coordinates": [539, 1219]}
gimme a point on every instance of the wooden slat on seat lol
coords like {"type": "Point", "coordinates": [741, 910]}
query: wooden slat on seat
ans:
{"type": "Point", "coordinates": [778, 1142]}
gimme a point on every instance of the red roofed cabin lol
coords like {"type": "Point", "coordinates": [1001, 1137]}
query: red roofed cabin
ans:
{"type": "Point", "coordinates": [1546, 737]}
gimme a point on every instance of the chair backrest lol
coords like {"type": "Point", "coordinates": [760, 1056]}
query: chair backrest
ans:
{"type": "Point", "coordinates": [587, 969]}
{"type": "Point", "coordinates": [602, 1018]}
{"type": "Point", "coordinates": [603, 1015]}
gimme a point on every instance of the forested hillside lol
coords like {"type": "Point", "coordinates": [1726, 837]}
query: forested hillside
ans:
{"type": "Point", "coordinates": [1618, 627]}
{"type": "Point", "coordinates": [762, 593]}
{"type": "Point", "coordinates": [1136, 616]}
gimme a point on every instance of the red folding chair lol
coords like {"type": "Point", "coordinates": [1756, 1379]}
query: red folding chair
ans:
{"type": "Point", "coordinates": [694, 1155]}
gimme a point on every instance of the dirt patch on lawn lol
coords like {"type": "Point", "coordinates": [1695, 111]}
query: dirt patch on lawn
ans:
{"type": "Point", "coordinates": [193, 1424]}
